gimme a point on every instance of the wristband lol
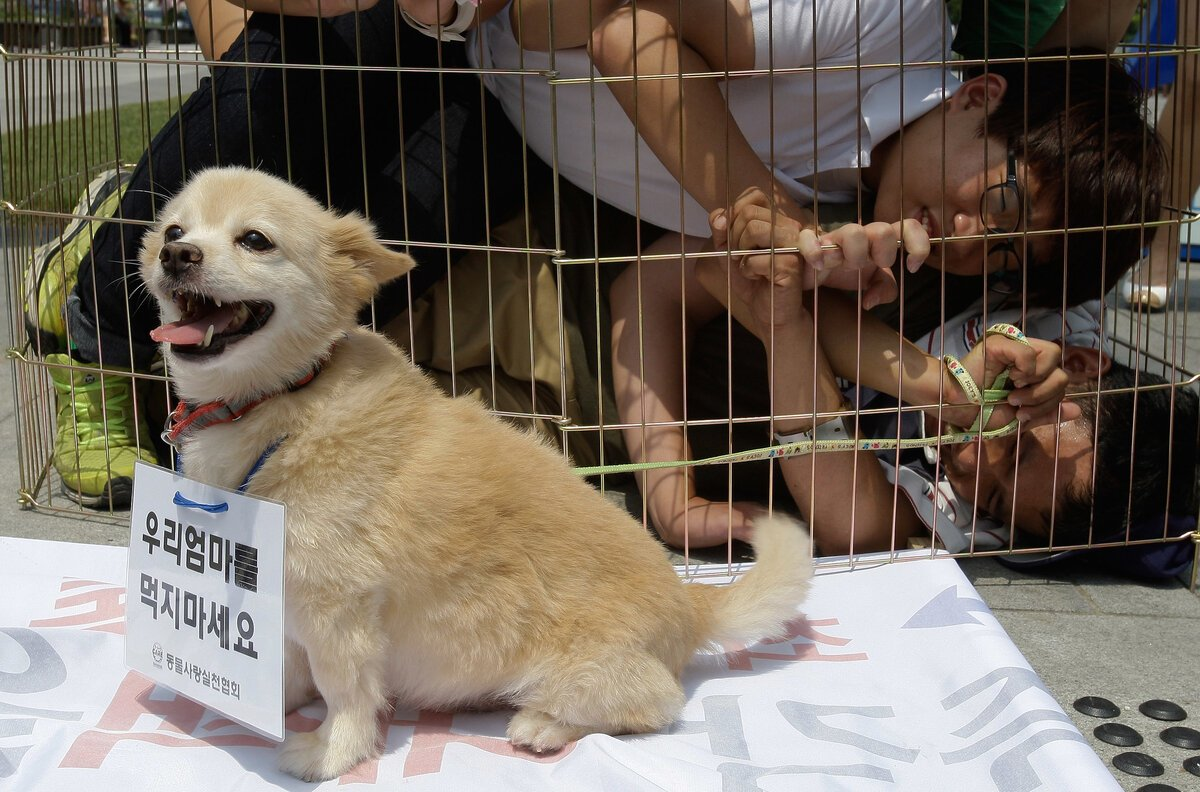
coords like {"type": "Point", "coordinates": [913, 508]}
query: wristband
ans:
{"type": "Point", "coordinates": [453, 31]}
{"type": "Point", "coordinates": [830, 430]}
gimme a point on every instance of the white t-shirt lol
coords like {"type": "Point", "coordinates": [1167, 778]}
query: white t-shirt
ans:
{"type": "Point", "coordinates": [936, 504]}
{"type": "Point", "coordinates": [799, 122]}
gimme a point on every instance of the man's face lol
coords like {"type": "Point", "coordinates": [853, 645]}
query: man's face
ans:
{"type": "Point", "coordinates": [936, 173]}
{"type": "Point", "coordinates": [1018, 478]}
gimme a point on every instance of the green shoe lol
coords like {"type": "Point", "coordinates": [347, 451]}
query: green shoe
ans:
{"type": "Point", "coordinates": [99, 434]}
{"type": "Point", "coordinates": [52, 271]}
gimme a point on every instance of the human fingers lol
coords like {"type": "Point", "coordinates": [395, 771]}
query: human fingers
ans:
{"type": "Point", "coordinates": [1066, 411]}
{"type": "Point", "coordinates": [1041, 398]}
{"type": "Point", "coordinates": [846, 242]}
{"type": "Point", "coordinates": [884, 239]}
{"type": "Point", "coordinates": [755, 227]}
{"type": "Point", "coordinates": [1027, 363]}
{"type": "Point", "coordinates": [718, 223]}
{"type": "Point", "coordinates": [751, 197]}
{"type": "Point", "coordinates": [780, 263]}
{"type": "Point", "coordinates": [781, 269]}
{"type": "Point", "coordinates": [916, 243]}
{"type": "Point", "coordinates": [882, 289]}
{"type": "Point", "coordinates": [757, 230]}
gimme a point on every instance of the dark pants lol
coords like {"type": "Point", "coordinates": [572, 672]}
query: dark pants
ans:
{"type": "Point", "coordinates": [406, 149]}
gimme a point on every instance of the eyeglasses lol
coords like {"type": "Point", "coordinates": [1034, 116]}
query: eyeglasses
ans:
{"type": "Point", "coordinates": [1001, 210]}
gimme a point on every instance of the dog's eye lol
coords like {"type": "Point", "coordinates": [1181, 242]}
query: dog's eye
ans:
{"type": "Point", "coordinates": [256, 240]}
{"type": "Point", "coordinates": [173, 233]}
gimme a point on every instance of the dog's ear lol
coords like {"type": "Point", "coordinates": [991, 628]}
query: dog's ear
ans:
{"type": "Point", "coordinates": [354, 238]}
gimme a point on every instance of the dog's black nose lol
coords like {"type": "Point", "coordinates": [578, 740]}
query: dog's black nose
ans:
{"type": "Point", "coordinates": [178, 257]}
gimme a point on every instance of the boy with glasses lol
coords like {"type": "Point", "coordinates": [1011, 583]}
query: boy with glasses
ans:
{"type": "Point", "coordinates": [970, 178]}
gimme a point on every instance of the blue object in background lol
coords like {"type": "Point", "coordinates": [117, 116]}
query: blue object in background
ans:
{"type": "Point", "coordinates": [1157, 30]}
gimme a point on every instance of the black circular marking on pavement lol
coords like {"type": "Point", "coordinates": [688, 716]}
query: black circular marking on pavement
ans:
{"type": "Point", "coordinates": [1162, 710]}
{"type": "Point", "coordinates": [1192, 765]}
{"type": "Point", "coordinates": [1117, 734]}
{"type": "Point", "coordinates": [1157, 787]}
{"type": "Point", "coordinates": [1138, 764]}
{"type": "Point", "coordinates": [1181, 737]}
{"type": "Point", "coordinates": [1097, 707]}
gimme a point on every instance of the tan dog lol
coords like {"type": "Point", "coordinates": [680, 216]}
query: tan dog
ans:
{"type": "Point", "coordinates": [434, 553]}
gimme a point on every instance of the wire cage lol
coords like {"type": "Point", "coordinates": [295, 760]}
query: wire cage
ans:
{"type": "Point", "coordinates": [497, 167]}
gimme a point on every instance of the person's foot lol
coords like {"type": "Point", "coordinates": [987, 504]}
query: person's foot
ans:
{"type": "Point", "coordinates": [1152, 297]}
{"type": "Point", "coordinates": [1139, 289]}
{"type": "Point", "coordinates": [99, 434]}
{"type": "Point", "coordinates": [52, 269]}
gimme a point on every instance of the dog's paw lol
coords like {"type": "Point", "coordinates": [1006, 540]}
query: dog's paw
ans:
{"type": "Point", "coordinates": [307, 756]}
{"type": "Point", "coordinates": [541, 733]}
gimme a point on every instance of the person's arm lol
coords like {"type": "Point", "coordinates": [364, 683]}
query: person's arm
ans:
{"type": "Point", "coordinates": [217, 24]}
{"type": "Point", "coordinates": [883, 360]}
{"type": "Point", "coordinates": [1095, 24]}
{"type": "Point", "coordinates": [573, 22]}
{"type": "Point", "coordinates": [686, 122]}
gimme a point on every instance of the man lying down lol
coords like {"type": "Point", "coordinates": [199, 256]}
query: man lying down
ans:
{"type": "Point", "coordinates": [1107, 465]}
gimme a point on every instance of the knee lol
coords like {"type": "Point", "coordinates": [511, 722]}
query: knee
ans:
{"type": "Point", "coordinates": [614, 39]}
{"type": "Point", "coordinates": [622, 294]}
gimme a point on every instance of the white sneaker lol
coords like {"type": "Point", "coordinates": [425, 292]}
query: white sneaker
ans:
{"type": "Point", "coordinates": [1152, 297]}
{"type": "Point", "coordinates": [1135, 292]}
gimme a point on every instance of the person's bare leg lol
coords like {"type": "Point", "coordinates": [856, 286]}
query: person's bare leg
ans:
{"type": "Point", "coordinates": [654, 307]}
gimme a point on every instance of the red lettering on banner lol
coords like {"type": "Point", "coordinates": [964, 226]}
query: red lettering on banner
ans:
{"type": "Point", "coordinates": [180, 727]}
{"type": "Point", "coordinates": [180, 719]}
{"type": "Point", "coordinates": [740, 658]}
{"type": "Point", "coordinates": [106, 614]}
{"type": "Point", "coordinates": [431, 735]}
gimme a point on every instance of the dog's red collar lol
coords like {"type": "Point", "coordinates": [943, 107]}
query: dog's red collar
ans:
{"type": "Point", "coordinates": [187, 418]}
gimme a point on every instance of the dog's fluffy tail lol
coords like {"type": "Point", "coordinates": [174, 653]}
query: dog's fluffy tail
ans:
{"type": "Point", "coordinates": [765, 598]}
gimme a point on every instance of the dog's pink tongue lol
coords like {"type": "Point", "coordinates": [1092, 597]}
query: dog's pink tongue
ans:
{"type": "Point", "coordinates": [193, 332]}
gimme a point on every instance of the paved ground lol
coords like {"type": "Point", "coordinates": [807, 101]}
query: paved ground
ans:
{"type": "Point", "coordinates": [110, 82]}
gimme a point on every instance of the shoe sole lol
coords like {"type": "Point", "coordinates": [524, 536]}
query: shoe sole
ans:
{"type": "Point", "coordinates": [117, 495]}
{"type": "Point", "coordinates": [1153, 298]}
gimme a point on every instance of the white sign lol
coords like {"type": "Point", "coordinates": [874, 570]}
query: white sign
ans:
{"type": "Point", "coordinates": [204, 604]}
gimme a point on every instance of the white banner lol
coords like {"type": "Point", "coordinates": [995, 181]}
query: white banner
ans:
{"type": "Point", "coordinates": [896, 678]}
{"type": "Point", "coordinates": [206, 618]}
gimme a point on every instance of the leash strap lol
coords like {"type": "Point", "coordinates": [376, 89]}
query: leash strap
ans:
{"type": "Point", "coordinates": [987, 400]}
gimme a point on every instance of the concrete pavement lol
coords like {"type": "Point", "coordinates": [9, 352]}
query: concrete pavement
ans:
{"type": "Point", "coordinates": [111, 80]}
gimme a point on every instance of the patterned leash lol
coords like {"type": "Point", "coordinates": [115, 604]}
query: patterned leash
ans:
{"type": "Point", "coordinates": [987, 399]}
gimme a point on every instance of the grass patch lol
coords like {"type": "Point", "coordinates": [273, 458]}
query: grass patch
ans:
{"type": "Point", "coordinates": [46, 167]}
